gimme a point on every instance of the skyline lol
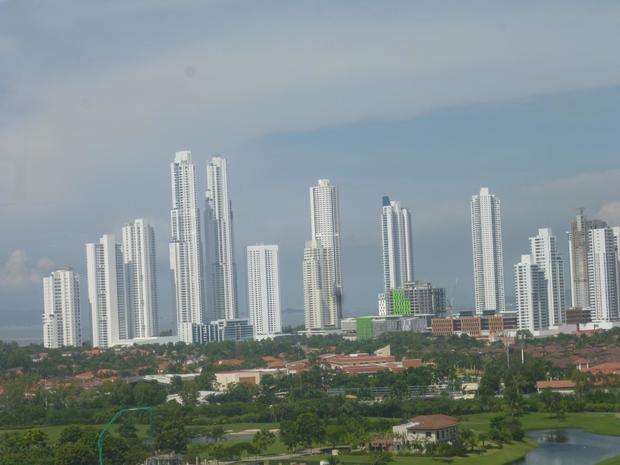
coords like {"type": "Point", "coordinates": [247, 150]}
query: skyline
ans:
{"type": "Point", "coordinates": [371, 114]}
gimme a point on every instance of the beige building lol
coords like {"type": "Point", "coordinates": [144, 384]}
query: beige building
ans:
{"type": "Point", "coordinates": [225, 379]}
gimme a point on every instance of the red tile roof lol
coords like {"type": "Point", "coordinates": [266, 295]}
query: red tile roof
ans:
{"type": "Point", "coordinates": [609, 368]}
{"type": "Point", "coordinates": [432, 422]}
{"type": "Point", "coordinates": [555, 384]}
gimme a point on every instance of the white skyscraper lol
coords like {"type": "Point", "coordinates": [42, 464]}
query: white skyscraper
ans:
{"type": "Point", "coordinates": [264, 290]}
{"type": "Point", "coordinates": [61, 315]}
{"type": "Point", "coordinates": [140, 275]}
{"type": "Point", "coordinates": [531, 295]}
{"type": "Point", "coordinates": [219, 242]}
{"type": "Point", "coordinates": [106, 292]}
{"type": "Point", "coordinates": [325, 223]}
{"type": "Point", "coordinates": [486, 227]}
{"type": "Point", "coordinates": [397, 249]}
{"type": "Point", "coordinates": [186, 247]}
{"type": "Point", "coordinates": [603, 275]}
{"type": "Point", "coordinates": [545, 254]}
{"type": "Point", "coordinates": [579, 250]}
{"type": "Point", "coordinates": [320, 306]}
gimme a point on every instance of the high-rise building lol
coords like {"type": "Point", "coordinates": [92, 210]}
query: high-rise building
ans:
{"type": "Point", "coordinates": [425, 299]}
{"type": "Point", "coordinates": [579, 247]}
{"type": "Point", "coordinates": [531, 295]}
{"type": "Point", "coordinates": [545, 254]}
{"type": "Point", "coordinates": [320, 306]}
{"type": "Point", "coordinates": [186, 246]}
{"type": "Point", "coordinates": [61, 314]}
{"type": "Point", "coordinates": [140, 278]}
{"type": "Point", "coordinates": [397, 244]}
{"type": "Point", "coordinates": [219, 242]}
{"type": "Point", "coordinates": [397, 248]}
{"type": "Point", "coordinates": [106, 292]}
{"type": "Point", "coordinates": [325, 224]}
{"type": "Point", "coordinates": [486, 227]}
{"type": "Point", "coordinates": [264, 290]}
{"type": "Point", "coordinates": [603, 275]}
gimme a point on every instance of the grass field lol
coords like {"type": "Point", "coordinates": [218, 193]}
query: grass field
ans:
{"type": "Point", "coordinates": [612, 461]}
{"type": "Point", "coordinates": [504, 456]}
{"type": "Point", "coordinates": [597, 423]}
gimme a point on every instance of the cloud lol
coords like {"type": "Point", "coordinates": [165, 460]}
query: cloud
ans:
{"type": "Point", "coordinates": [18, 272]}
{"type": "Point", "coordinates": [610, 212]}
{"type": "Point", "coordinates": [284, 71]}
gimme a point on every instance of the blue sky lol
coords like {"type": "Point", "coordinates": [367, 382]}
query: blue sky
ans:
{"type": "Point", "coordinates": [416, 100]}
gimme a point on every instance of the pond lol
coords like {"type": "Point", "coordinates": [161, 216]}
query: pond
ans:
{"type": "Point", "coordinates": [570, 447]}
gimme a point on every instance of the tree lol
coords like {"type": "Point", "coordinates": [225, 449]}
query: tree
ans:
{"type": "Point", "coordinates": [189, 394]}
{"type": "Point", "coordinates": [468, 439]}
{"type": "Point", "coordinates": [506, 429]}
{"type": "Point", "coordinates": [128, 431]}
{"type": "Point", "coordinates": [25, 448]}
{"type": "Point", "coordinates": [78, 446]}
{"type": "Point", "coordinates": [309, 430]}
{"type": "Point", "coordinates": [380, 458]}
{"type": "Point", "coordinates": [263, 440]}
{"type": "Point", "coordinates": [216, 433]}
{"type": "Point", "coordinates": [553, 403]}
{"type": "Point", "coordinates": [288, 434]}
{"type": "Point", "coordinates": [171, 437]}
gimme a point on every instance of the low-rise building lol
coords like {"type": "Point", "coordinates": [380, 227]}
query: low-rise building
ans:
{"type": "Point", "coordinates": [427, 428]}
{"type": "Point", "coordinates": [225, 379]}
{"type": "Point", "coordinates": [561, 386]}
{"type": "Point", "coordinates": [474, 325]}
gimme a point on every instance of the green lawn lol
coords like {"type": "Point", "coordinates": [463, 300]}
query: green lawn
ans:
{"type": "Point", "coordinates": [53, 431]}
{"type": "Point", "coordinates": [504, 456]}
{"type": "Point", "coordinates": [612, 461]}
{"type": "Point", "coordinates": [597, 423]}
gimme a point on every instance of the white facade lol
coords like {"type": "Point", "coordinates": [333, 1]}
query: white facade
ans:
{"type": "Point", "coordinates": [320, 307]}
{"type": "Point", "coordinates": [531, 295]}
{"type": "Point", "coordinates": [603, 275]}
{"type": "Point", "coordinates": [579, 251]}
{"type": "Point", "coordinates": [61, 314]}
{"type": "Point", "coordinates": [545, 254]}
{"type": "Point", "coordinates": [325, 224]}
{"type": "Point", "coordinates": [140, 277]}
{"type": "Point", "coordinates": [222, 270]}
{"type": "Point", "coordinates": [264, 290]}
{"type": "Point", "coordinates": [486, 226]}
{"type": "Point", "coordinates": [106, 292]}
{"type": "Point", "coordinates": [397, 246]}
{"type": "Point", "coordinates": [186, 245]}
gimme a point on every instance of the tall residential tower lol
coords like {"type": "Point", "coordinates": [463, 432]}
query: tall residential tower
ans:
{"type": "Point", "coordinates": [325, 224]}
{"type": "Point", "coordinates": [106, 292]}
{"type": "Point", "coordinates": [61, 314]}
{"type": "Point", "coordinates": [140, 276]}
{"type": "Point", "coordinates": [545, 254]}
{"type": "Point", "coordinates": [320, 306]}
{"type": "Point", "coordinates": [579, 249]}
{"type": "Point", "coordinates": [603, 275]}
{"type": "Point", "coordinates": [531, 295]}
{"type": "Point", "coordinates": [186, 247]}
{"type": "Point", "coordinates": [397, 250]}
{"type": "Point", "coordinates": [222, 270]}
{"type": "Point", "coordinates": [486, 226]}
{"type": "Point", "coordinates": [264, 290]}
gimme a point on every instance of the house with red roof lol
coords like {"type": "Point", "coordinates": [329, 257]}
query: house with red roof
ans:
{"type": "Point", "coordinates": [427, 428]}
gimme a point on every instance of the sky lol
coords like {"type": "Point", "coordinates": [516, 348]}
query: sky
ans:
{"type": "Point", "coordinates": [423, 101]}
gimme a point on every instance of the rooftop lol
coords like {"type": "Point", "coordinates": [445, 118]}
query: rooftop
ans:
{"type": "Point", "coordinates": [432, 422]}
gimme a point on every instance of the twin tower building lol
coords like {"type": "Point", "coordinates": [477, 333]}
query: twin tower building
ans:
{"type": "Point", "coordinates": [204, 271]}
